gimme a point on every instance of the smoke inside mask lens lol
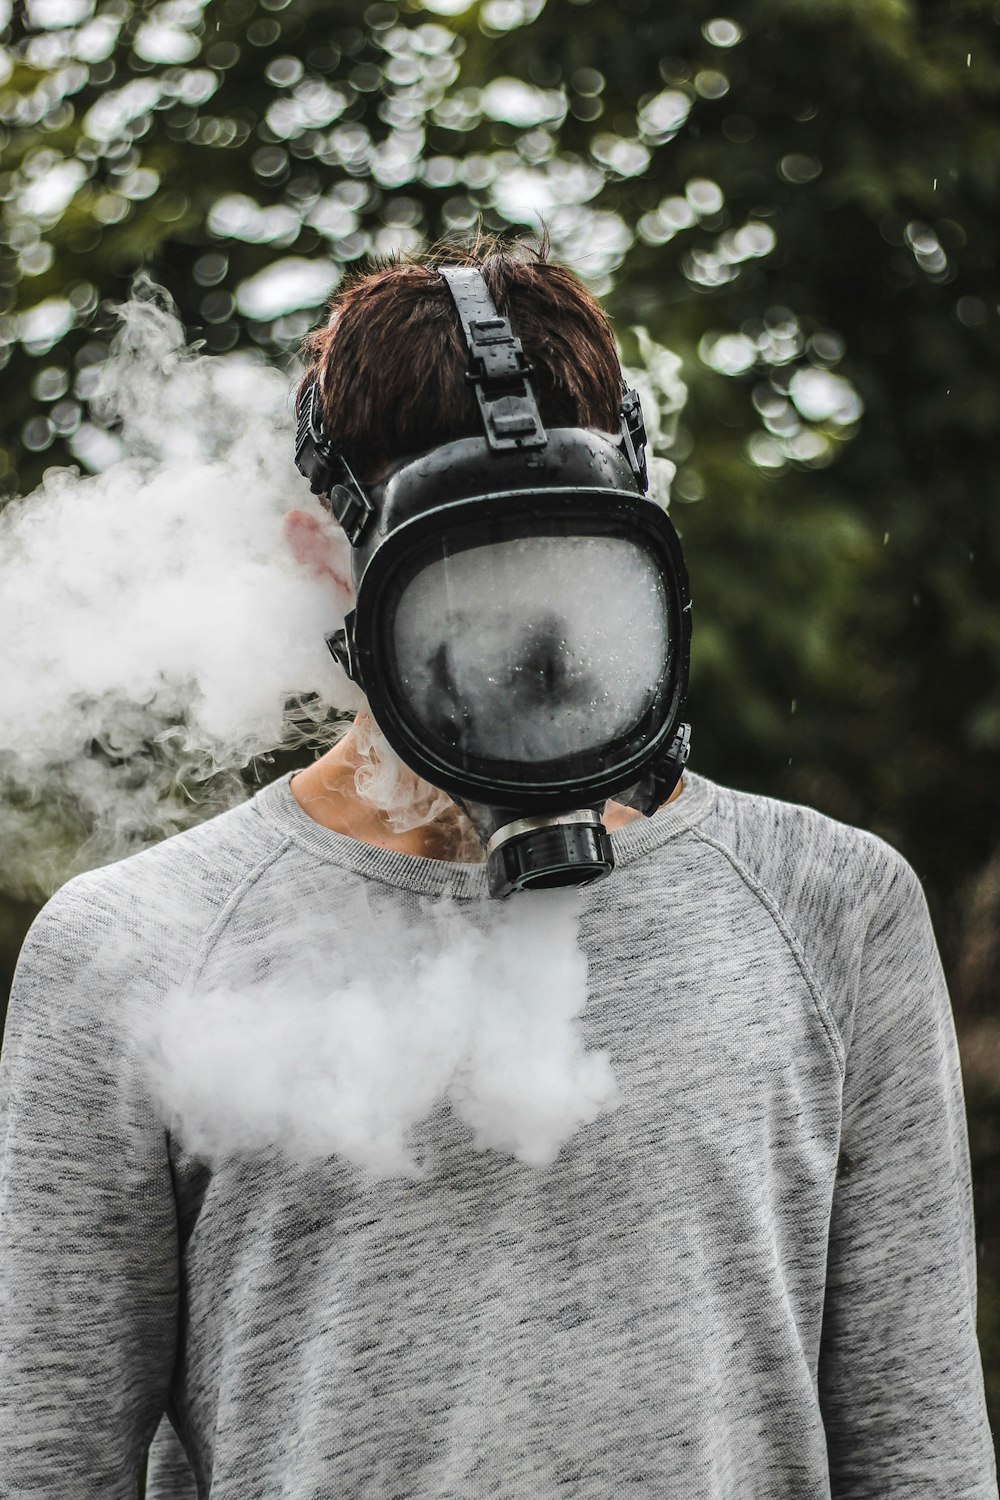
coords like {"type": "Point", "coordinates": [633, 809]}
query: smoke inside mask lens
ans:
{"type": "Point", "coordinates": [533, 648]}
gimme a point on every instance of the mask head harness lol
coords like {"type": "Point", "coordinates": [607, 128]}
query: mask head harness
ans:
{"type": "Point", "coordinates": [522, 618]}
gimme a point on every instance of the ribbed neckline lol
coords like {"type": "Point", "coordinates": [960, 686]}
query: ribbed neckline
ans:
{"type": "Point", "coordinates": [414, 872]}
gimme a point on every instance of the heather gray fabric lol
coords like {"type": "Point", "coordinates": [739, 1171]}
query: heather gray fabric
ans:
{"type": "Point", "coordinates": [754, 1280]}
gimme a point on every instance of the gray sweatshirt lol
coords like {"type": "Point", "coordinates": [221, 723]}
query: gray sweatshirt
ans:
{"type": "Point", "coordinates": [753, 1280]}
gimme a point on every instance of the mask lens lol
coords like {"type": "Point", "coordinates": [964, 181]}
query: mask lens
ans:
{"type": "Point", "coordinates": [533, 648]}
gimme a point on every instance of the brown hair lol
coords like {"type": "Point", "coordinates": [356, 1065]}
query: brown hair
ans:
{"type": "Point", "coordinates": [391, 358]}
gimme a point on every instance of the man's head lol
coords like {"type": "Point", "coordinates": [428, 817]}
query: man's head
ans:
{"type": "Point", "coordinates": [391, 360]}
{"type": "Point", "coordinates": [520, 618]}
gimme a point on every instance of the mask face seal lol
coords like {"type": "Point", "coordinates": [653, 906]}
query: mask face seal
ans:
{"type": "Point", "coordinates": [522, 626]}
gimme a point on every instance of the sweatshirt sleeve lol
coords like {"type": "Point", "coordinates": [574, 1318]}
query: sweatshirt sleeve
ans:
{"type": "Point", "coordinates": [900, 1375]}
{"type": "Point", "coordinates": [88, 1251]}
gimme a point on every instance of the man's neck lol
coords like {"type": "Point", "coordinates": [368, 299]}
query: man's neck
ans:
{"type": "Point", "coordinates": [326, 791]}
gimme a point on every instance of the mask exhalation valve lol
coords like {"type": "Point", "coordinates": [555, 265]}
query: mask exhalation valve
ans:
{"type": "Point", "coordinates": [538, 853]}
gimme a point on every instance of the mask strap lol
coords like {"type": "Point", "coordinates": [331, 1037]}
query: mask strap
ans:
{"type": "Point", "coordinates": [633, 435]}
{"type": "Point", "coordinates": [497, 366]}
{"type": "Point", "coordinates": [327, 470]}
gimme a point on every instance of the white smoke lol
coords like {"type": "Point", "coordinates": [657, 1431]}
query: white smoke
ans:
{"type": "Point", "coordinates": [158, 631]}
{"type": "Point", "coordinates": [352, 1049]}
{"type": "Point", "coordinates": [403, 798]}
{"type": "Point", "coordinates": [663, 395]}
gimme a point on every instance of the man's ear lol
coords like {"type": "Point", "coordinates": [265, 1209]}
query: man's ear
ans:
{"type": "Point", "coordinates": [318, 549]}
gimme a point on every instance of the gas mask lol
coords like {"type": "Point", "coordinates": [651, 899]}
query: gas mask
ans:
{"type": "Point", "coordinates": [522, 621]}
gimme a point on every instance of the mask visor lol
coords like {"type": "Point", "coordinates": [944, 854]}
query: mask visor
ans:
{"type": "Point", "coordinates": [528, 658]}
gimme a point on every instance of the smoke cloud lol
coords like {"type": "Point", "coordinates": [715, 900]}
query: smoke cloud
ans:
{"type": "Point", "coordinates": [368, 1031]}
{"type": "Point", "coordinates": [404, 799]}
{"type": "Point", "coordinates": [159, 633]}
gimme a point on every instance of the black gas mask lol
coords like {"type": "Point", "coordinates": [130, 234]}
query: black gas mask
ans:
{"type": "Point", "coordinates": [522, 620]}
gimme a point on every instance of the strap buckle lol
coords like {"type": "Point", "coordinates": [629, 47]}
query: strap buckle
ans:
{"type": "Point", "coordinates": [327, 470]}
{"type": "Point", "coordinates": [659, 779]}
{"type": "Point", "coordinates": [497, 366]}
{"type": "Point", "coordinates": [634, 438]}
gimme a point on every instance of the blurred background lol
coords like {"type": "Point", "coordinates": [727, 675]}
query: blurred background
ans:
{"type": "Point", "coordinates": [798, 197]}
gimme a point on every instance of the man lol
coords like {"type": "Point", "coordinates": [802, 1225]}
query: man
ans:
{"type": "Point", "coordinates": [755, 1278]}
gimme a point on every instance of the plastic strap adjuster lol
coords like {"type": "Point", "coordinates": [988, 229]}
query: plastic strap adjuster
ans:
{"type": "Point", "coordinates": [327, 471]}
{"type": "Point", "coordinates": [497, 366]}
{"type": "Point", "coordinates": [634, 436]}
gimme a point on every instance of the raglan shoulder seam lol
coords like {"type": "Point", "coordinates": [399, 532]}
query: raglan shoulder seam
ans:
{"type": "Point", "coordinates": [770, 905]}
{"type": "Point", "coordinates": [228, 909]}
